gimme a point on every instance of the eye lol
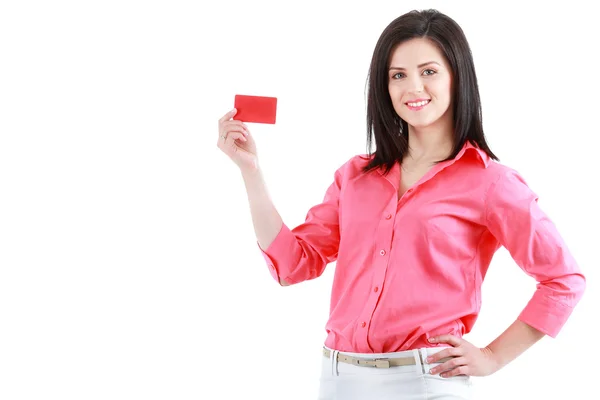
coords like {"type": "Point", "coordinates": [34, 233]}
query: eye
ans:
{"type": "Point", "coordinates": [398, 75]}
{"type": "Point", "coordinates": [429, 72]}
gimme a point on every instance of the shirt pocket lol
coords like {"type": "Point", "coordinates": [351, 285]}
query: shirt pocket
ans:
{"type": "Point", "coordinates": [452, 237]}
{"type": "Point", "coordinates": [451, 252]}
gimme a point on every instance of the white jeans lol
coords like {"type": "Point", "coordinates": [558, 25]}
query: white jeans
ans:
{"type": "Point", "coordinates": [341, 381]}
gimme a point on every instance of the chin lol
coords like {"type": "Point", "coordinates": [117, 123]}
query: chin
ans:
{"type": "Point", "coordinates": [420, 123]}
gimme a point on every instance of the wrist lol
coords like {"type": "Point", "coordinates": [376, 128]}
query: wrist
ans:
{"type": "Point", "coordinates": [494, 358]}
{"type": "Point", "coordinates": [251, 171]}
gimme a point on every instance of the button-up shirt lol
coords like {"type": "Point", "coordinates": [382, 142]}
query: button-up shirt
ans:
{"type": "Point", "coordinates": [412, 267]}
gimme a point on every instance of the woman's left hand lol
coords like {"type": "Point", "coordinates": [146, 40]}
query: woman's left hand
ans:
{"type": "Point", "coordinates": [467, 358]}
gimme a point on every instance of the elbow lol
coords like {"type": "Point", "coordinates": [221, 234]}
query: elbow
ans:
{"type": "Point", "coordinates": [577, 285]}
{"type": "Point", "coordinates": [582, 284]}
{"type": "Point", "coordinates": [570, 289]}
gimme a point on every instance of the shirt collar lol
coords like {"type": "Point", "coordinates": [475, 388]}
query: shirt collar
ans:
{"type": "Point", "coordinates": [482, 156]}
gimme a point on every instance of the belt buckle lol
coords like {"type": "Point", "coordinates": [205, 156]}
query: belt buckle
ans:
{"type": "Point", "coordinates": [379, 362]}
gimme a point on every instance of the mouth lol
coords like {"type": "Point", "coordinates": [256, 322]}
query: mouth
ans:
{"type": "Point", "coordinates": [417, 105]}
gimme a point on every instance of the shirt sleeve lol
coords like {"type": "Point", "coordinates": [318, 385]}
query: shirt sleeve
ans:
{"type": "Point", "coordinates": [302, 253]}
{"type": "Point", "coordinates": [514, 217]}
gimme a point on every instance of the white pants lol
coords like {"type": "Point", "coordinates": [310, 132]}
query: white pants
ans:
{"type": "Point", "coordinates": [341, 381]}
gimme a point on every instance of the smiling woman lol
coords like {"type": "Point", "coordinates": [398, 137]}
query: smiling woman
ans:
{"type": "Point", "coordinates": [424, 85]}
{"type": "Point", "coordinates": [422, 62]}
{"type": "Point", "coordinates": [413, 228]}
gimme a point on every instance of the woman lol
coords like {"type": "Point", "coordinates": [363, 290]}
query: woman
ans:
{"type": "Point", "coordinates": [413, 228]}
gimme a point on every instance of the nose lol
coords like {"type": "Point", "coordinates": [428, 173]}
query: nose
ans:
{"type": "Point", "coordinates": [416, 85]}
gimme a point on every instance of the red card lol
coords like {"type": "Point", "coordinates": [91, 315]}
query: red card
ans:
{"type": "Point", "coordinates": [259, 109]}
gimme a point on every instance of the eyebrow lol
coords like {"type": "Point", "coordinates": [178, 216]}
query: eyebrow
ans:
{"type": "Point", "coordinates": [419, 66]}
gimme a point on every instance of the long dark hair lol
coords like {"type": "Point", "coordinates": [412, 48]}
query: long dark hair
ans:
{"type": "Point", "coordinates": [389, 130]}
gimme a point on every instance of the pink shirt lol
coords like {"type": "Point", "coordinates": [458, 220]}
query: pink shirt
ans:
{"type": "Point", "coordinates": [411, 268]}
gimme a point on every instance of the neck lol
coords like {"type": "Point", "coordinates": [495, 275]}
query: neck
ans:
{"type": "Point", "coordinates": [430, 143]}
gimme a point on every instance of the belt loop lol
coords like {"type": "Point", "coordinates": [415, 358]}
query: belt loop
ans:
{"type": "Point", "coordinates": [417, 357]}
{"type": "Point", "coordinates": [424, 355]}
{"type": "Point", "coordinates": [331, 358]}
{"type": "Point", "coordinates": [335, 363]}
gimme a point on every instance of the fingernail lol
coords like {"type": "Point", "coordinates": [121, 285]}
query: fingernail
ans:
{"type": "Point", "coordinates": [429, 359]}
{"type": "Point", "coordinates": [431, 339]}
{"type": "Point", "coordinates": [432, 371]}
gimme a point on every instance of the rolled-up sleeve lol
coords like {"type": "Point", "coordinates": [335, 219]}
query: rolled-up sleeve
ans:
{"type": "Point", "coordinates": [514, 217]}
{"type": "Point", "coordinates": [302, 253]}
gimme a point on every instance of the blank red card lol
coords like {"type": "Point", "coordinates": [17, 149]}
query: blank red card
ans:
{"type": "Point", "coordinates": [258, 109]}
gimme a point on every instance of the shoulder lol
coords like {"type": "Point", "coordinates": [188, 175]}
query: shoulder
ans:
{"type": "Point", "coordinates": [502, 172]}
{"type": "Point", "coordinates": [353, 166]}
{"type": "Point", "coordinates": [506, 181]}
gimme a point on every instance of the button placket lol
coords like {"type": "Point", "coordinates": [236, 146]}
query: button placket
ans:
{"type": "Point", "coordinates": [380, 261]}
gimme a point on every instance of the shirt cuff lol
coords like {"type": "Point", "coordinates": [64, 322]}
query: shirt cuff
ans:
{"type": "Point", "coordinates": [277, 255]}
{"type": "Point", "coordinates": [545, 314]}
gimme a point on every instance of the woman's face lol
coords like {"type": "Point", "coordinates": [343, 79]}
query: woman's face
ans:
{"type": "Point", "coordinates": [420, 83]}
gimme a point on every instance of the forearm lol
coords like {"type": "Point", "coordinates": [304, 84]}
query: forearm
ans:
{"type": "Point", "coordinates": [265, 218]}
{"type": "Point", "coordinates": [517, 338]}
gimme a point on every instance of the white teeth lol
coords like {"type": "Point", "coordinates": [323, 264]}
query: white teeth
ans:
{"type": "Point", "coordinates": [418, 104]}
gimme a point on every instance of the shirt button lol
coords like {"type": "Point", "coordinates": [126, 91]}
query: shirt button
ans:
{"type": "Point", "coordinates": [375, 289]}
{"type": "Point", "coordinates": [363, 324]}
{"type": "Point", "coordinates": [389, 216]}
{"type": "Point", "coordinates": [382, 252]}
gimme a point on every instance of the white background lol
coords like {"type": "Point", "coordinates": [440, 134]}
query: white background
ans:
{"type": "Point", "coordinates": [128, 262]}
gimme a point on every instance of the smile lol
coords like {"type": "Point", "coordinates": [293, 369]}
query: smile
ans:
{"type": "Point", "coordinates": [417, 105]}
